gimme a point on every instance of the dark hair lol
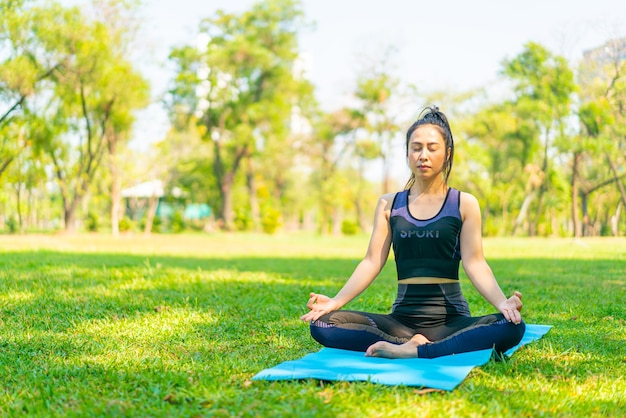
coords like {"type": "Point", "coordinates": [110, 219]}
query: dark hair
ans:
{"type": "Point", "coordinates": [433, 116]}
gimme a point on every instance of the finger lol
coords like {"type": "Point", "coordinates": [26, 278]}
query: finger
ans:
{"type": "Point", "coordinates": [506, 315]}
{"type": "Point", "coordinates": [307, 316]}
{"type": "Point", "coordinates": [312, 301]}
{"type": "Point", "coordinates": [514, 316]}
{"type": "Point", "coordinates": [311, 316]}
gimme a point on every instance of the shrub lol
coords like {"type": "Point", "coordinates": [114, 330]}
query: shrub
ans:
{"type": "Point", "coordinates": [12, 225]}
{"type": "Point", "coordinates": [178, 222]}
{"type": "Point", "coordinates": [349, 227]}
{"type": "Point", "coordinates": [157, 223]}
{"type": "Point", "coordinates": [91, 222]}
{"type": "Point", "coordinates": [243, 221]}
{"type": "Point", "coordinates": [126, 224]}
{"type": "Point", "coordinates": [270, 220]}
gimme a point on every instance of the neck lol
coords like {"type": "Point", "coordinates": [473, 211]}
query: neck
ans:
{"type": "Point", "coordinates": [434, 187]}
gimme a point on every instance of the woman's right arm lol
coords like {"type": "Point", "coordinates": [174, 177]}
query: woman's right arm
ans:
{"type": "Point", "coordinates": [366, 271]}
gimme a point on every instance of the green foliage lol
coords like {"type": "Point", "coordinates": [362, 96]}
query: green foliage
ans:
{"type": "Point", "coordinates": [12, 225]}
{"type": "Point", "coordinates": [349, 227]}
{"type": "Point", "coordinates": [177, 223]}
{"type": "Point", "coordinates": [157, 224]}
{"type": "Point", "coordinates": [241, 110]}
{"type": "Point", "coordinates": [243, 220]}
{"type": "Point", "coordinates": [98, 326]}
{"type": "Point", "coordinates": [595, 115]}
{"type": "Point", "coordinates": [77, 69]}
{"type": "Point", "coordinates": [270, 219]}
{"type": "Point", "coordinates": [376, 117]}
{"type": "Point", "coordinates": [126, 224]}
{"type": "Point", "coordinates": [250, 90]}
{"type": "Point", "coordinates": [92, 222]}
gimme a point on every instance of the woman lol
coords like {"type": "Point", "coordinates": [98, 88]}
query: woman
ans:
{"type": "Point", "coordinates": [432, 228]}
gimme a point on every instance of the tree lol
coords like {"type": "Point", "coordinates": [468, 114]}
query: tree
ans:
{"type": "Point", "coordinates": [131, 91]}
{"type": "Point", "coordinates": [378, 92]}
{"type": "Point", "coordinates": [502, 147]}
{"type": "Point", "coordinates": [241, 86]}
{"type": "Point", "coordinates": [94, 98]}
{"type": "Point", "coordinates": [27, 64]}
{"type": "Point", "coordinates": [603, 124]}
{"type": "Point", "coordinates": [332, 138]}
{"type": "Point", "coordinates": [543, 85]}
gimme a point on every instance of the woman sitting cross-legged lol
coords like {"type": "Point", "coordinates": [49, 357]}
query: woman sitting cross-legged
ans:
{"type": "Point", "coordinates": [432, 228]}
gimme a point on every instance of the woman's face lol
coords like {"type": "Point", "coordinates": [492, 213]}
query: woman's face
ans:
{"type": "Point", "coordinates": [427, 152]}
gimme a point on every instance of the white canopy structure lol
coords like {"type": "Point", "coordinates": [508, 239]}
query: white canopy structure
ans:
{"type": "Point", "coordinates": [153, 188]}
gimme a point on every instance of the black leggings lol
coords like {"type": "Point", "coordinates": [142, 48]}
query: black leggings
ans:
{"type": "Point", "coordinates": [352, 330]}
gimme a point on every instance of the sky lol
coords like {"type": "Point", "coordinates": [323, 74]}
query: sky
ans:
{"type": "Point", "coordinates": [443, 44]}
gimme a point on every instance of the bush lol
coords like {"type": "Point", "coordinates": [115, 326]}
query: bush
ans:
{"type": "Point", "coordinates": [91, 222]}
{"type": "Point", "coordinates": [349, 227]}
{"type": "Point", "coordinates": [270, 220]}
{"type": "Point", "coordinates": [157, 223]}
{"type": "Point", "coordinates": [12, 225]}
{"type": "Point", "coordinates": [178, 222]}
{"type": "Point", "coordinates": [126, 224]}
{"type": "Point", "coordinates": [242, 221]}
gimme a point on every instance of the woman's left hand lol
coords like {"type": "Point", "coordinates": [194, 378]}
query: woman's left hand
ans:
{"type": "Point", "coordinates": [511, 308]}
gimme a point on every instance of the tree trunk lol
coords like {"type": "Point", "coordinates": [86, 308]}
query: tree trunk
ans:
{"type": "Point", "coordinates": [69, 215]}
{"type": "Point", "coordinates": [116, 188]}
{"type": "Point", "coordinates": [225, 180]}
{"type": "Point", "coordinates": [615, 220]}
{"type": "Point", "coordinates": [358, 203]}
{"type": "Point", "coordinates": [575, 193]}
{"type": "Point", "coordinates": [543, 188]}
{"type": "Point", "coordinates": [618, 179]}
{"type": "Point", "coordinates": [386, 178]}
{"type": "Point", "coordinates": [153, 204]}
{"type": "Point", "coordinates": [252, 190]}
{"type": "Point", "coordinates": [226, 209]}
{"type": "Point", "coordinates": [18, 196]}
{"type": "Point", "coordinates": [585, 214]}
{"type": "Point", "coordinates": [519, 222]}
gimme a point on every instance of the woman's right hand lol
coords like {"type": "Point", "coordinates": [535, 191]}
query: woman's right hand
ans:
{"type": "Point", "coordinates": [319, 305]}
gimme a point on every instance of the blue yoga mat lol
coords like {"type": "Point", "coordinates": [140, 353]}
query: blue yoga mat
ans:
{"type": "Point", "coordinates": [443, 373]}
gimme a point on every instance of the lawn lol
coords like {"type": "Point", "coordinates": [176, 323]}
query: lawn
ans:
{"type": "Point", "coordinates": [177, 325]}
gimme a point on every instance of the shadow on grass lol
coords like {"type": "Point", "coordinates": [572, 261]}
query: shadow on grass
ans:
{"type": "Point", "coordinates": [63, 315]}
{"type": "Point", "coordinates": [573, 295]}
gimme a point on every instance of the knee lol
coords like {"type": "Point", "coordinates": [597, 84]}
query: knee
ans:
{"type": "Point", "coordinates": [514, 333]}
{"type": "Point", "coordinates": [520, 329]}
{"type": "Point", "coordinates": [321, 332]}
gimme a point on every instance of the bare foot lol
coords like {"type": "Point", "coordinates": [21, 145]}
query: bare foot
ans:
{"type": "Point", "coordinates": [389, 350]}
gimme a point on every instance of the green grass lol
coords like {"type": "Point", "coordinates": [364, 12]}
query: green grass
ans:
{"type": "Point", "coordinates": [91, 325]}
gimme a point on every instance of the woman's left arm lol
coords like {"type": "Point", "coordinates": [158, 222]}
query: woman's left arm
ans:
{"type": "Point", "coordinates": [476, 266]}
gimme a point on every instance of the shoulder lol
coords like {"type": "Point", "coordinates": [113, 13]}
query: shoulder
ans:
{"type": "Point", "coordinates": [469, 205]}
{"type": "Point", "coordinates": [384, 206]}
{"type": "Point", "coordinates": [386, 201]}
